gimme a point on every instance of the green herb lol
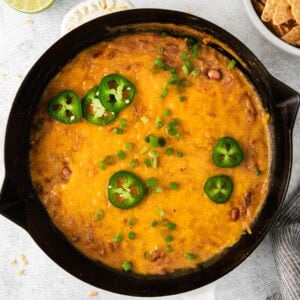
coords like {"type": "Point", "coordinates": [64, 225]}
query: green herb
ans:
{"type": "Point", "coordinates": [169, 239]}
{"type": "Point", "coordinates": [131, 221]}
{"type": "Point", "coordinates": [159, 63]}
{"type": "Point", "coordinates": [152, 182]}
{"type": "Point", "coordinates": [123, 123]}
{"type": "Point", "coordinates": [154, 223]}
{"type": "Point", "coordinates": [131, 235]}
{"type": "Point", "coordinates": [173, 185]}
{"type": "Point", "coordinates": [258, 172]}
{"type": "Point", "coordinates": [133, 163]}
{"type": "Point", "coordinates": [144, 119]}
{"type": "Point", "coordinates": [153, 141]}
{"type": "Point", "coordinates": [179, 154]}
{"type": "Point", "coordinates": [147, 162]}
{"type": "Point", "coordinates": [128, 147]}
{"type": "Point", "coordinates": [166, 112]}
{"type": "Point", "coordinates": [164, 93]}
{"type": "Point", "coordinates": [99, 215]}
{"type": "Point", "coordinates": [169, 151]}
{"type": "Point", "coordinates": [231, 64]}
{"type": "Point", "coordinates": [154, 155]}
{"type": "Point", "coordinates": [190, 256]}
{"type": "Point", "coordinates": [172, 128]}
{"type": "Point", "coordinates": [118, 238]}
{"type": "Point", "coordinates": [159, 123]}
{"type": "Point", "coordinates": [121, 154]}
{"type": "Point", "coordinates": [171, 226]}
{"type": "Point", "coordinates": [117, 130]}
{"type": "Point", "coordinates": [126, 266]}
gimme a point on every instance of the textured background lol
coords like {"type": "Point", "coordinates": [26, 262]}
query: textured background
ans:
{"type": "Point", "coordinates": [23, 39]}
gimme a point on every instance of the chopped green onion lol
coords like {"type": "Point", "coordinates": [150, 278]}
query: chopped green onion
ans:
{"type": "Point", "coordinates": [164, 34]}
{"type": "Point", "coordinates": [184, 55]}
{"type": "Point", "coordinates": [162, 141]}
{"type": "Point", "coordinates": [147, 162]}
{"type": "Point", "coordinates": [144, 119]}
{"type": "Point", "coordinates": [154, 223]}
{"type": "Point", "coordinates": [231, 64]}
{"type": "Point", "coordinates": [157, 190]}
{"type": "Point", "coordinates": [164, 93]}
{"type": "Point", "coordinates": [173, 185]}
{"type": "Point", "coordinates": [160, 212]}
{"type": "Point", "coordinates": [171, 226]}
{"type": "Point", "coordinates": [166, 112]}
{"type": "Point", "coordinates": [169, 248]}
{"type": "Point", "coordinates": [159, 123]}
{"type": "Point", "coordinates": [175, 80]}
{"type": "Point", "coordinates": [185, 70]}
{"type": "Point", "coordinates": [118, 238]}
{"type": "Point", "coordinates": [128, 147]}
{"type": "Point", "coordinates": [123, 123]}
{"type": "Point", "coordinates": [126, 266]}
{"type": "Point", "coordinates": [131, 235]}
{"type": "Point", "coordinates": [133, 163]}
{"type": "Point", "coordinates": [191, 41]}
{"type": "Point", "coordinates": [195, 51]}
{"type": "Point", "coordinates": [99, 215]}
{"type": "Point", "coordinates": [153, 141]}
{"type": "Point", "coordinates": [171, 128]}
{"type": "Point", "coordinates": [117, 130]}
{"type": "Point", "coordinates": [131, 221]}
{"type": "Point", "coordinates": [190, 256]}
{"type": "Point", "coordinates": [169, 151]}
{"type": "Point", "coordinates": [151, 182]}
{"type": "Point", "coordinates": [258, 172]}
{"type": "Point", "coordinates": [102, 165]}
{"type": "Point", "coordinates": [121, 154]}
{"type": "Point", "coordinates": [159, 63]}
{"type": "Point", "coordinates": [195, 73]}
{"type": "Point", "coordinates": [154, 155]}
{"type": "Point", "coordinates": [179, 154]}
{"type": "Point", "coordinates": [181, 99]}
{"type": "Point", "coordinates": [169, 239]}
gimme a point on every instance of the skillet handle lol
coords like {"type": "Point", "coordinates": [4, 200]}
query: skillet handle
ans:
{"type": "Point", "coordinates": [12, 204]}
{"type": "Point", "coordinates": [286, 102]}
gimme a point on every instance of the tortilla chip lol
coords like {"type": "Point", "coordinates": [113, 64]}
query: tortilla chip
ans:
{"type": "Point", "coordinates": [282, 12]}
{"type": "Point", "coordinates": [269, 10]}
{"type": "Point", "coordinates": [293, 36]}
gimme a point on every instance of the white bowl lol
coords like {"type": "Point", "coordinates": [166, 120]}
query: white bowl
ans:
{"type": "Point", "coordinates": [265, 31]}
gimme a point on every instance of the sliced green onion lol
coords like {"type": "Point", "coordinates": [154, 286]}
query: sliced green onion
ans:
{"type": "Point", "coordinates": [152, 182]}
{"type": "Point", "coordinates": [159, 63]}
{"type": "Point", "coordinates": [191, 41]}
{"type": "Point", "coordinates": [179, 154]}
{"type": "Point", "coordinates": [164, 93]}
{"type": "Point", "coordinates": [144, 119]}
{"type": "Point", "coordinates": [169, 151]}
{"type": "Point", "coordinates": [231, 64]}
{"type": "Point", "coordinates": [166, 112]}
{"type": "Point", "coordinates": [117, 130]}
{"type": "Point", "coordinates": [195, 51]}
{"type": "Point", "coordinates": [173, 185]}
{"type": "Point", "coordinates": [184, 55]}
{"type": "Point", "coordinates": [118, 238]}
{"type": "Point", "coordinates": [123, 123]}
{"type": "Point", "coordinates": [131, 221]}
{"type": "Point", "coordinates": [175, 80]}
{"type": "Point", "coordinates": [128, 147]}
{"type": "Point", "coordinates": [195, 73]}
{"type": "Point", "coordinates": [159, 123]}
{"type": "Point", "coordinates": [131, 235]}
{"type": "Point", "coordinates": [147, 162]}
{"type": "Point", "coordinates": [258, 172]}
{"type": "Point", "coordinates": [126, 266]}
{"type": "Point", "coordinates": [171, 226]}
{"type": "Point", "coordinates": [121, 154]}
{"type": "Point", "coordinates": [185, 70]}
{"type": "Point", "coordinates": [169, 239]}
{"type": "Point", "coordinates": [133, 163]}
{"type": "Point", "coordinates": [157, 190]}
{"type": "Point", "coordinates": [99, 215]}
{"type": "Point", "coordinates": [153, 141]}
{"type": "Point", "coordinates": [190, 256]}
{"type": "Point", "coordinates": [101, 165]}
{"type": "Point", "coordinates": [154, 223]}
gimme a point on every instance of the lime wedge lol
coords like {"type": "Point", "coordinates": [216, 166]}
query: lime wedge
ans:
{"type": "Point", "coordinates": [30, 6]}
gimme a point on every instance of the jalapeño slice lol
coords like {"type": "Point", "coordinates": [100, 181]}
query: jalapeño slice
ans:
{"type": "Point", "coordinates": [227, 153]}
{"type": "Point", "coordinates": [116, 92]}
{"type": "Point", "coordinates": [125, 190]}
{"type": "Point", "coordinates": [65, 107]}
{"type": "Point", "coordinates": [93, 111]}
{"type": "Point", "coordinates": [218, 188]}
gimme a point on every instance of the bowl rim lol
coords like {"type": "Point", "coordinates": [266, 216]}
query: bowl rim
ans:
{"type": "Point", "coordinates": [264, 31]}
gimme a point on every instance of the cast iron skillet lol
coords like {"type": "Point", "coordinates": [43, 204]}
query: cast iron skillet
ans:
{"type": "Point", "coordinates": [20, 203]}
